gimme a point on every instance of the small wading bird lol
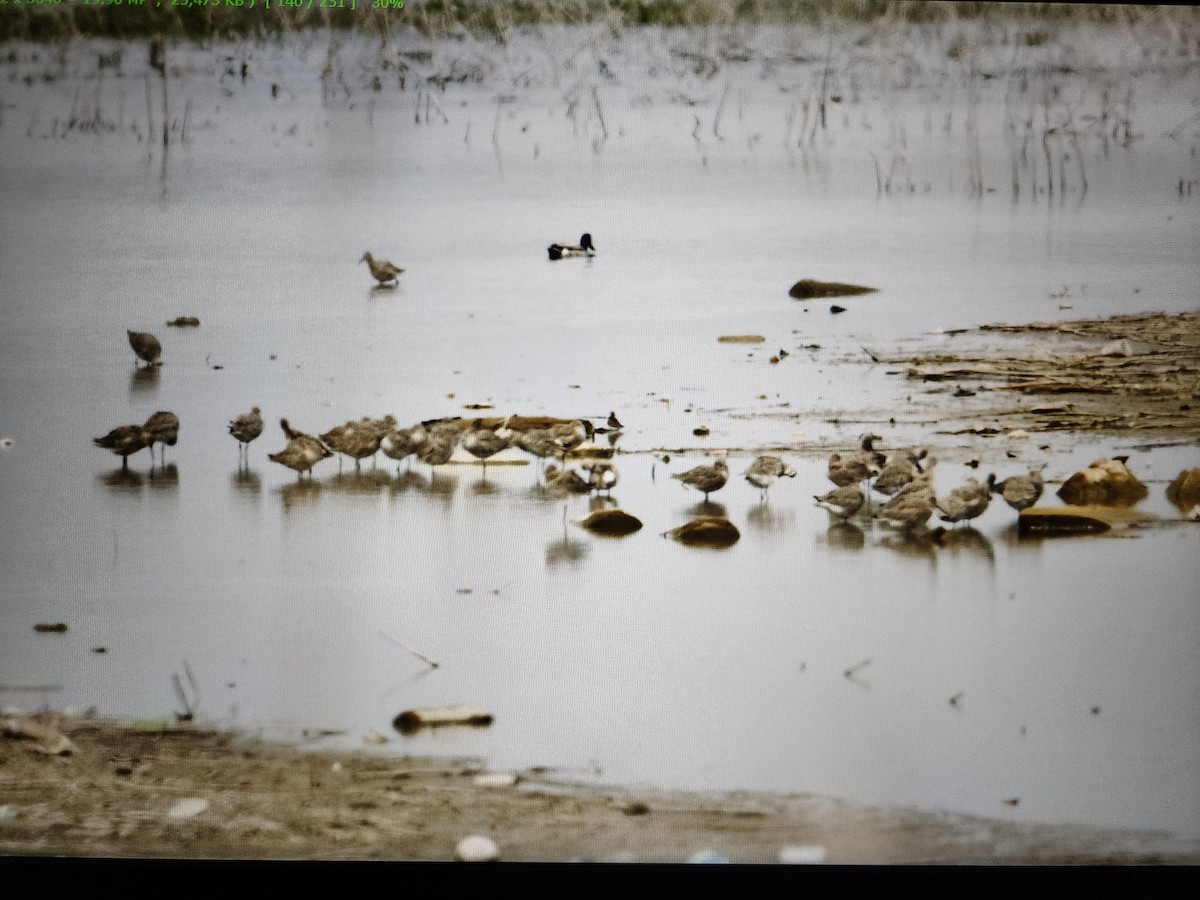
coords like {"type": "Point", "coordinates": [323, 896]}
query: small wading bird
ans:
{"type": "Point", "coordinates": [706, 479]}
{"type": "Point", "coordinates": [400, 443]}
{"type": "Point", "coordinates": [583, 248]}
{"type": "Point", "coordinates": [124, 440]}
{"type": "Point", "coordinates": [1019, 491]}
{"type": "Point", "coordinates": [765, 470]}
{"type": "Point", "coordinates": [482, 442]}
{"type": "Point", "coordinates": [302, 452]}
{"type": "Point", "coordinates": [602, 476]}
{"type": "Point", "coordinates": [843, 502]}
{"type": "Point", "coordinates": [382, 270]}
{"type": "Point", "coordinates": [246, 428]}
{"type": "Point", "coordinates": [964, 503]}
{"type": "Point", "coordinates": [569, 480]}
{"type": "Point", "coordinates": [613, 422]}
{"type": "Point", "coordinates": [146, 346]}
{"type": "Point", "coordinates": [161, 428]}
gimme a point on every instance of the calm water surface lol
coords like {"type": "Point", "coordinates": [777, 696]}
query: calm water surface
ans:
{"type": "Point", "coordinates": [634, 660]}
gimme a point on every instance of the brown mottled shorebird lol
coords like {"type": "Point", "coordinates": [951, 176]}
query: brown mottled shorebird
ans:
{"type": "Point", "coordinates": [302, 452]}
{"type": "Point", "coordinates": [162, 428]}
{"type": "Point", "coordinates": [765, 470]}
{"type": "Point", "coordinates": [146, 346]}
{"type": "Point", "coordinates": [706, 479]}
{"type": "Point", "coordinates": [570, 436]}
{"type": "Point", "coordinates": [899, 468]}
{"type": "Point", "coordinates": [964, 503]}
{"type": "Point", "coordinates": [614, 422]}
{"type": "Point", "coordinates": [911, 506]}
{"type": "Point", "coordinates": [400, 443]}
{"type": "Point", "coordinates": [1019, 491]}
{"type": "Point", "coordinates": [858, 466]}
{"type": "Point", "coordinates": [382, 270]}
{"type": "Point", "coordinates": [540, 442]}
{"type": "Point", "coordinates": [568, 480]}
{"type": "Point", "coordinates": [602, 476]}
{"type": "Point", "coordinates": [438, 447]}
{"type": "Point", "coordinates": [483, 443]}
{"type": "Point", "coordinates": [842, 502]}
{"type": "Point", "coordinates": [124, 440]}
{"type": "Point", "coordinates": [246, 428]}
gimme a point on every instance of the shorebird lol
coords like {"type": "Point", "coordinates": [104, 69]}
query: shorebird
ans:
{"type": "Point", "coordinates": [706, 479]}
{"type": "Point", "coordinates": [614, 422]}
{"type": "Point", "coordinates": [899, 468]}
{"type": "Point", "coordinates": [246, 428]}
{"type": "Point", "coordinates": [402, 442]}
{"type": "Point", "coordinates": [569, 480]}
{"type": "Point", "coordinates": [602, 476]}
{"type": "Point", "coordinates": [483, 442]}
{"type": "Point", "coordinates": [764, 471]}
{"type": "Point", "coordinates": [540, 442]}
{"type": "Point", "coordinates": [964, 503]}
{"type": "Point", "coordinates": [858, 466]}
{"type": "Point", "coordinates": [146, 346]}
{"type": "Point", "coordinates": [302, 452]}
{"type": "Point", "coordinates": [842, 502]}
{"type": "Point", "coordinates": [911, 506]}
{"type": "Point", "coordinates": [124, 440]}
{"type": "Point", "coordinates": [439, 444]}
{"type": "Point", "coordinates": [162, 428]}
{"type": "Point", "coordinates": [570, 436]}
{"type": "Point", "coordinates": [382, 270]}
{"type": "Point", "coordinates": [583, 248]}
{"type": "Point", "coordinates": [1019, 491]}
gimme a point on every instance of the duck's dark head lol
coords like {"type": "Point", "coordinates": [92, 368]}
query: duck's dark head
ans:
{"type": "Point", "coordinates": [586, 242]}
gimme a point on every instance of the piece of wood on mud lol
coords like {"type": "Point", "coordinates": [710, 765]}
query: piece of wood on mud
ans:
{"type": "Point", "coordinates": [1050, 521]}
{"type": "Point", "coordinates": [432, 717]}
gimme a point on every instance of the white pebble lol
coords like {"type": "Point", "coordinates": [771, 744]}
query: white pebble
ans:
{"type": "Point", "coordinates": [1018, 434]}
{"type": "Point", "coordinates": [495, 779]}
{"type": "Point", "coordinates": [336, 767]}
{"type": "Point", "coordinates": [186, 809]}
{"type": "Point", "coordinates": [802, 854]}
{"type": "Point", "coordinates": [477, 848]}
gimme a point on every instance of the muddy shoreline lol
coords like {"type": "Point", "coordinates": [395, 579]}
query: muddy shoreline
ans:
{"type": "Point", "coordinates": [119, 795]}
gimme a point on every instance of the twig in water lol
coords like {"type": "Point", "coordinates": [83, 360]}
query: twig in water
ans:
{"type": "Point", "coordinates": [599, 113]}
{"type": "Point", "coordinates": [421, 656]}
{"type": "Point", "coordinates": [720, 109]}
{"type": "Point", "coordinates": [874, 358]}
{"type": "Point", "coordinates": [853, 670]}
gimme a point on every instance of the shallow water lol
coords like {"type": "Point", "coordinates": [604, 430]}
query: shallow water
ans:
{"type": "Point", "coordinates": [633, 660]}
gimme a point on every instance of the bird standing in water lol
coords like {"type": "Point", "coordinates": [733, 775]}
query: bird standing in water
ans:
{"type": "Point", "coordinates": [383, 271]}
{"type": "Point", "coordinates": [146, 346]}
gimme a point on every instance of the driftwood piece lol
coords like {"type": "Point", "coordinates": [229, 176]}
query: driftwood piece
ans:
{"type": "Point", "coordinates": [811, 289]}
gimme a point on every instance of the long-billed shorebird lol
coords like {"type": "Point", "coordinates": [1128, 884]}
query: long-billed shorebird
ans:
{"type": "Point", "coordinates": [1019, 491]}
{"type": "Point", "coordinates": [706, 479]}
{"type": "Point", "coordinates": [585, 247]}
{"type": "Point", "coordinates": [764, 472]}
{"type": "Point", "coordinates": [146, 346]}
{"type": "Point", "coordinates": [382, 270]}
{"type": "Point", "coordinates": [124, 440]}
{"type": "Point", "coordinates": [246, 428]}
{"type": "Point", "coordinates": [162, 428]}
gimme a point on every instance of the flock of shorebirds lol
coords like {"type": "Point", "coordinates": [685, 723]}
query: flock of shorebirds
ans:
{"type": "Point", "coordinates": [904, 476]}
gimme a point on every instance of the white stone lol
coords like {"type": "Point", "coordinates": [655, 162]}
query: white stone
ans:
{"type": "Point", "coordinates": [477, 848]}
{"type": "Point", "coordinates": [186, 809]}
{"type": "Point", "coordinates": [804, 854]}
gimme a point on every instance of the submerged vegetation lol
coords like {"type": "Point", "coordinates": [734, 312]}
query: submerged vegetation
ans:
{"type": "Point", "coordinates": [116, 19]}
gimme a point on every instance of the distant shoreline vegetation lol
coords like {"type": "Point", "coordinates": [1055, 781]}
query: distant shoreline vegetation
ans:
{"type": "Point", "coordinates": [55, 20]}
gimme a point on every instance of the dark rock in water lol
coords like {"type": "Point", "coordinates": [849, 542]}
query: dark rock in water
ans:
{"type": "Point", "coordinates": [809, 289]}
{"type": "Point", "coordinates": [835, 309]}
{"type": "Point", "coordinates": [50, 627]}
{"type": "Point", "coordinates": [185, 322]}
{"type": "Point", "coordinates": [707, 531]}
{"type": "Point", "coordinates": [1106, 482]}
{"type": "Point", "coordinates": [1064, 520]}
{"type": "Point", "coordinates": [1184, 491]}
{"type": "Point", "coordinates": [614, 522]}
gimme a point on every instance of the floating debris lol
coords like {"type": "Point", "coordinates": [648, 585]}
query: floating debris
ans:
{"type": "Point", "coordinates": [413, 719]}
{"type": "Point", "coordinates": [707, 531]}
{"type": "Point", "coordinates": [835, 309]}
{"type": "Point", "coordinates": [51, 628]}
{"type": "Point", "coordinates": [701, 431]}
{"type": "Point", "coordinates": [741, 339]}
{"type": "Point", "coordinates": [184, 322]}
{"type": "Point", "coordinates": [809, 289]}
{"type": "Point", "coordinates": [1066, 520]}
{"type": "Point", "coordinates": [614, 522]}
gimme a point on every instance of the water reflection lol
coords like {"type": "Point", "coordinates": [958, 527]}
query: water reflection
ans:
{"type": "Point", "coordinates": [707, 508]}
{"type": "Point", "coordinates": [144, 378]}
{"type": "Point", "coordinates": [966, 540]}
{"type": "Point", "coordinates": [246, 481]}
{"type": "Point", "coordinates": [165, 477]}
{"type": "Point", "coordinates": [845, 536]}
{"type": "Point", "coordinates": [912, 543]}
{"type": "Point", "coordinates": [598, 503]}
{"type": "Point", "coordinates": [484, 488]}
{"type": "Point", "coordinates": [360, 482]}
{"type": "Point", "coordinates": [123, 479]}
{"type": "Point", "coordinates": [383, 289]}
{"type": "Point", "coordinates": [299, 493]}
{"type": "Point", "coordinates": [565, 550]}
{"type": "Point", "coordinates": [764, 518]}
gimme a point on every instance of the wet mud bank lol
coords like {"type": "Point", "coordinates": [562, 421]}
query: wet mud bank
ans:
{"type": "Point", "coordinates": [197, 793]}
